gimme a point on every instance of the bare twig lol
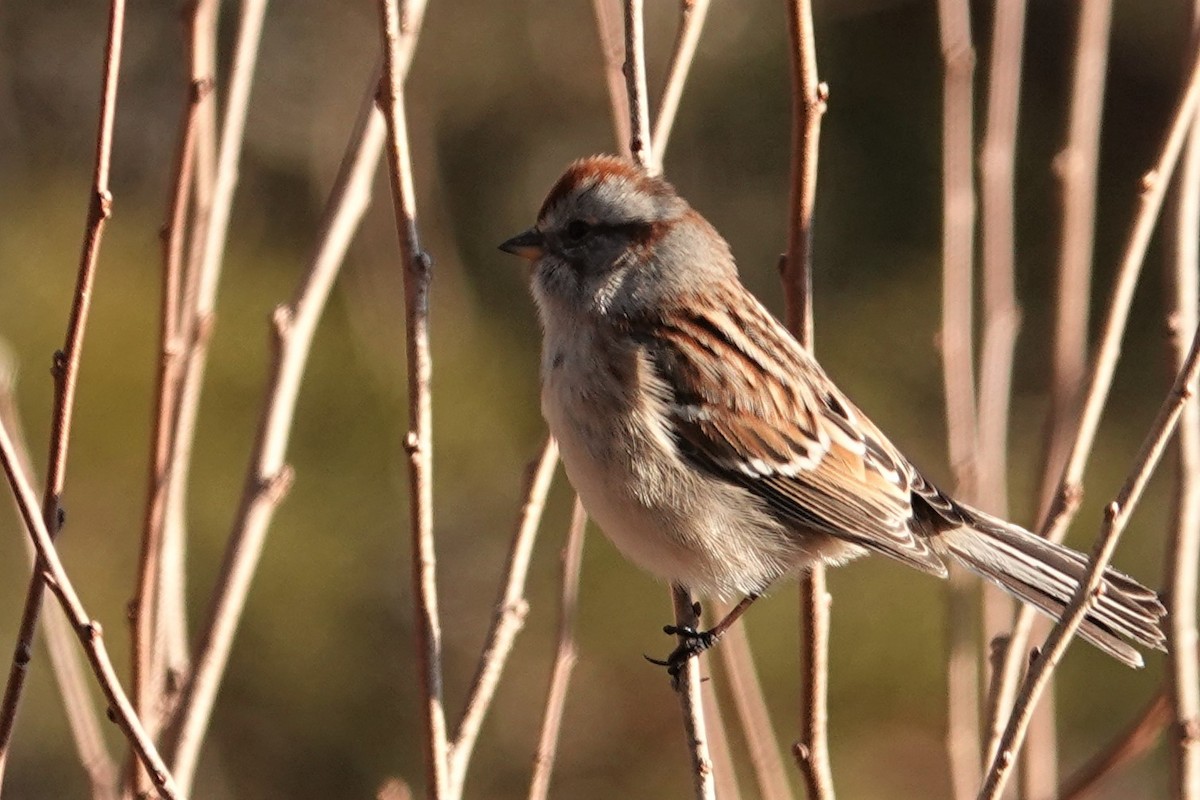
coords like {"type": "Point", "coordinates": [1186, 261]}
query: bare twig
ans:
{"type": "Point", "coordinates": [1116, 516]}
{"type": "Point", "coordinates": [1126, 746]}
{"type": "Point", "coordinates": [724, 771]}
{"type": "Point", "coordinates": [640, 145]}
{"type": "Point", "coordinates": [809, 97]}
{"type": "Point", "coordinates": [418, 441]}
{"type": "Point", "coordinates": [1068, 493]}
{"type": "Point", "coordinates": [65, 660]}
{"type": "Point", "coordinates": [149, 680]}
{"type": "Point", "coordinates": [1182, 569]}
{"type": "Point", "coordinates": [612, 50]}
{"type": "Point", "coordinates": [508, 617]}
{"type": "Point", "coordinates": [66, 369]}
{"type": "Point", "coordinates": [564, 657]}
{"type": "Point", "coordinates": [691, 702]}
{"type": "Point", "coordinates": [750, 705]}
{"type": "Point", "coordinates": [214, 206]}
{"type": "Point", "coordinates": [267, 474]}
{"type": "Point", "coordinates": [692, 14]}
{"type": "Point", "coordinates": [87, 629]}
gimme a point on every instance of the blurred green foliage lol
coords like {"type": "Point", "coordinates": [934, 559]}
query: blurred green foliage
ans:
{"type": "Point", "coordinates": [320, 699]}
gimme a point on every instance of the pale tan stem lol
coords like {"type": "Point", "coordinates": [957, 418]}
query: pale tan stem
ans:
{"type": "Point", "coordinates": [692, 14]}
{"type": "Point", "coordinates": [691, 703]}
{"type": "Point", "coordinates": [612, 51]}
{"type": "Point", "coordinates": [564, 657]}
{"type": "Point", "coordinates": [641, 148]}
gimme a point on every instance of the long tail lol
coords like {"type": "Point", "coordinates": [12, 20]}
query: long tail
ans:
{"type": "Point", "coordinates": [1046, 575]}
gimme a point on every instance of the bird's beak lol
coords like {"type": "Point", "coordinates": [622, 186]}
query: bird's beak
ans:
{"type": "Point", "coordinates": [528, 244]}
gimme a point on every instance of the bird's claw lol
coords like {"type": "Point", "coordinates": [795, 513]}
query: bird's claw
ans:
{"type": "Point", "coordinates": [694, 643]}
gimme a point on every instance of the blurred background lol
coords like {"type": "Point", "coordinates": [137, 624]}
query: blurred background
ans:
{"type": "Point", "coordinates": [320, 697]}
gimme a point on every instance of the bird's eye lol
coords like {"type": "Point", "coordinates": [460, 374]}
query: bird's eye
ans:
{"type": "Point", "coordinates": [577, 229]}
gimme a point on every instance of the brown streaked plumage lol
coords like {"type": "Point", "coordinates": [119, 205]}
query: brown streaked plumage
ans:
{"type": "Point", "coordinates": [712, 448]}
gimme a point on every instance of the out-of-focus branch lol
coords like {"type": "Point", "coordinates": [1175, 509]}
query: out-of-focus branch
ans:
{"type": "Point", "coordinates": [267, 474]}
{"type": "Point", "coordinates": [1001, 315]}
{"type": "Point", "coordinates": [508, 617]}
{"type": "Point", "coordinates": [1126, 746]}
{"type": "Point", "coordinates": [1182, 569]}
{"type": "Point", "coordinates": [66, 370]}
{"type": "Point", "coordinates": [692, 14]}
{"type": "Point", "coordinates": [809, 98]}
{"type": "Point", "coordinates": [564, 657]}
{"type": "Point", "coordinates": [1069, 492]}
{"type": "Point", "coordinates": [641, 148]}
{"type": "Point", "coordinates": [82, 717]}
{"type": "Point", "coordinates": [753, 716]}
{"type": "Point", "coordinates": [87, 629]}
{"type": "Point", "coordinates": [418, 442]}
{"type": "Point", "coordinates": [958, 374]}
{"type": "Point", "coordinates": [1116, 517]}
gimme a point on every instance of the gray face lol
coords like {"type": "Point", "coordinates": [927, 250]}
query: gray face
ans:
{"type": "Point", "coordinates": [613, 241]}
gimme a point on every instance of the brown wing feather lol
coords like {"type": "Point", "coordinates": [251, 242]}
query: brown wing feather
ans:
{"type": "Point", "coordinates": [771, 421]}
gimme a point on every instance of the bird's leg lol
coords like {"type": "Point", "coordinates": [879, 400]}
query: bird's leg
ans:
{"type": "Point", "coordinates": [694, 642]}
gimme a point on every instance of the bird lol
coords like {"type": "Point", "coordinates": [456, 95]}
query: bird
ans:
{"type": "Point", "coordinates": [715, 452]}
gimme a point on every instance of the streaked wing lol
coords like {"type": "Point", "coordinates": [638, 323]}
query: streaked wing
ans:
{"type": "Point", "coordinates": [747, 403]}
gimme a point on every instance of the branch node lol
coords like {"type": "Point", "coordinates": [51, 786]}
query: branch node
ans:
{"type": "Point", "coordinates": [23, 655]}
{"type": "Point", "coordinates": [199, 89]}
{"type": "Point", "coordinates": [58, 365]}
{"type": "Point", "coordinates": [412, 443]}
{"type": "Point", "coordinates": [101, 206]}
{"type": "Point", "coordinates": [281, 321]}
{"type": "Point", "coordinates": [275, 486]}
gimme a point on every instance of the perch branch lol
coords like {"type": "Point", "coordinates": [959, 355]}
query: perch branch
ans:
{"type": "Point", "coordinates": [66, 370]}
{"type": "Point", "coordinates": [691, 702]}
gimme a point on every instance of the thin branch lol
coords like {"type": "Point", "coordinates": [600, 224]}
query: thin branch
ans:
{"type": "Point", "coordinates": [508, 617]}
{"type": "Point", "coordinates": [418, 442]}
{"type": "Point", "coordinates": [564, 657]}
{"type": "Point", "coordinates": [751, 707]}
{"type": "Point", "coordinates": [87, 629]}
{"type": "Point", "coordinates": [692, 14]}
{"type": "Point", "coordinates": [809, 98]}
{"type": "Point", "coordinates": [612, 51]}
{"type": "Point", "coordinates": [1137, 739]}
{"type": "Point", "coordinates": [209, 230]}
{"type": "Point", "coordinates": [691, 702]}
{"type": "Point", "coordinates": [267, 474]}
{"type": "Point", "coordinates": [640, 146]}
{"type": "Point", "coordinates": [149, 680]}
{"type": "Point", "coordinates": [87, 731]}
{"type": "Point", "coordinates": [724, 772]}
{"type": "Point", "coordinates": [1069, 492]}
{"type": "Point", "coordinates": [1182, 569]}
{"type": "Point", "coordinates": [66, 369]}
{"type": "Point", "coordinates": [1116, 517]}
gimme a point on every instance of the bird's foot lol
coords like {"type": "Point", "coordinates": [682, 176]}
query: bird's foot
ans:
{"type": "Point", "coordinates": [693, 643]}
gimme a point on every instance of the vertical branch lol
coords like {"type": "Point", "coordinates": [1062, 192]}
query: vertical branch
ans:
{"type": "Point", "coordinates": [1183, 549]}
{"type": "Point", "coordinates": [418, 442]}
{"type": "Point", "coordinates": [87, 629]}
{"type": "Point", "coordinates": [958, 241]}
{"type": "Point", "coordinates": [640, 144]}
{"type": "Point", "coordinates": [564, 657]}
{"type": "Point", "coordinates": [267, 474]}
{"type": "Point", "coordinates": [508, 617]}
{"type": "Point", "coordinates": [692, 14]}
{"type": "Point", "coordinates": [148, 676]}
{"type": "Point", "coordinates": [612, 50]}
{"type": "Point", "coordinates": [1116, 517]}
{"type": "Point", "coordinates": [66, 370]}
{"type": "Point", "coordinates": [809, 97]}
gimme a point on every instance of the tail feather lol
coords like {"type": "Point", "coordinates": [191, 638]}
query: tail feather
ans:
{"type": "Point", "coordinates": [1046, 575]}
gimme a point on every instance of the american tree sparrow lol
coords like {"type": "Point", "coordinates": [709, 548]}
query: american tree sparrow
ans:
{"type": "Point", "coordinates": [711, 447]}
